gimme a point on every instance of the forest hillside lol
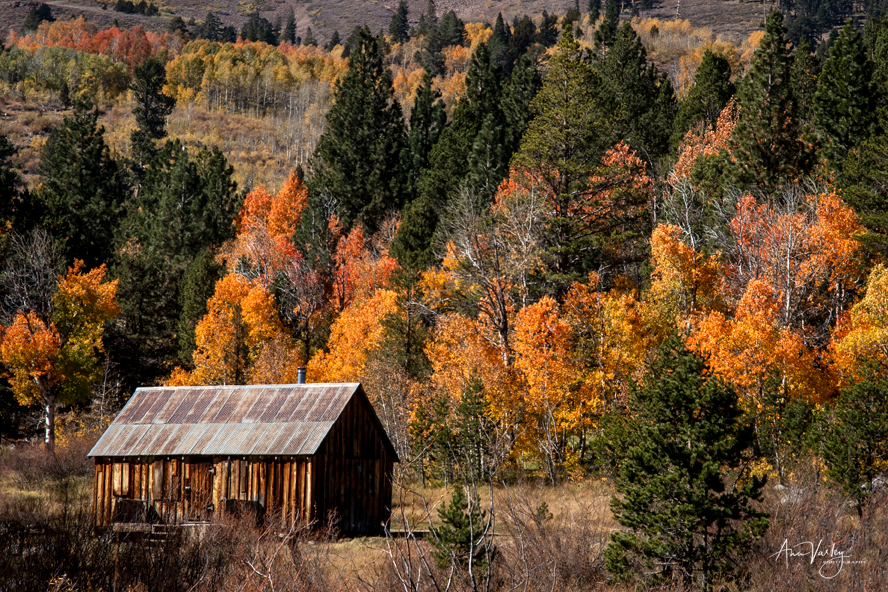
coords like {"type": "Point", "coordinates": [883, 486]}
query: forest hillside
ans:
{"type": "Point", "coordinates": [599, 252]}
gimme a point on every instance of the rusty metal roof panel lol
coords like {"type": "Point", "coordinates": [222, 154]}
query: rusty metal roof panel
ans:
{"type": "Point", "coordinates": [102, 446]}
{"type": "Point", "coordinates": [138, 406]}
{"type": "Point", "coordinates": [253, 437]}
{"type": "Point", "coordinates": [289, 398]}
{"type": "Point", "coordinates": [279, 444]}
{"type": "Point", "coordinates": [201, 403]}
{"type": "Point", "coordinates": [216, 405]}
{"type": "Point", "coordinates": [174, 400]}
{"type": "Point", "coordinates": [203, 441]}
{"type": "Point", "coordinates": [261, 398]}
{"type": "Point", "coordinates": [160, 433]}
{"type": "Point", "coordinates": [265, 445]}
{"type": "Point", "coordinates": [304, 401]}
{"type": "Point", "coordinates": [341, 397]}
{"type": "Point", "coordinates": [327, 396]}
{"type": "Point", "coordinates": [129, 445]}
{"type": "Point", "coordinates": [231, 437]}
{"type": "Point", "coordinates": [274, 405]}
{"type": "Point", "coordinates": [188, 401]}
{"type": "Point", "coordinates": [313, 442]}
{"type": "Point", "coordinates": [160, 398]}
{"type": "Point", "coordinates": [300, 434]}
{"type": "Point", "coordinates": [267, 420]}
{"type": "Point", "coordinates": [186, 445]}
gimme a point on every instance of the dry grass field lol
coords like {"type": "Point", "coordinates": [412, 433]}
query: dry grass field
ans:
{"type": "Point", "coordinates": [547, 538]}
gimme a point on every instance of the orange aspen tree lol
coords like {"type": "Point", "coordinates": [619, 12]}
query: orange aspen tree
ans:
{"type": "Point", "coordinates": [56, 360]}
{"type": "Point", "coordinates": [241, 339]}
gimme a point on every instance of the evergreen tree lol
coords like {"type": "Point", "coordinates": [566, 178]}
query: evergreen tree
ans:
{"type": "Point", "coordinates": [767, 140]}
{"type": "Point", "coordinates": [334, 41]}
{"type": "Point", "coordinates": [431, 15]}
{"type": "Point", "coordinates": [604, 35]}
{"type": "Point", "coordinates": [309, 38]}
{"type": "Point", "coordinates": [475, 427]}
{"type": "Point", "coordinates": [711, 91]}
{"type": "Point", "coordinates": [524, 33]}
{"type": "Point", "coordinates": [448, 163]}
{"type": "Point", "coordinates": [399, 28]}
{"type": "Point", "coordinates": [37, 15]}
{"type": "Point", "coordinates": [81, 192]}
{"type": "Point", "coordinates": [547, 34]}
{"type": "Point", "coordinates": [358, 158]}
{"type": "Point", "coordinates": [198, 286]}
{"type": "Point", "coordinates": [499, 45]}
{"type": "Point", "coordinates": [854, 440]}
{"type": "Point", "coordinates": [803, 79]}
{"type": "Point", "coordinates": [518, 94]}
{"type": "Point", "coordinates": [570, 132]}
{"type": "Point", "coordinates": [864, 181]}
{"type": "Point", "coordinates": [288, 34]}
{"type": "Point", "coordinates": [594, 11]}
{"type": "Point", "coordinates": [452, 30]}
{"type": "Point", "coordinates": [844, 102]}
{"type": "Point", "coordinates": [151, 110]}
{"type": "Point", "coordinates": [211, 29]}
{"type": "Point", "coordinates": [427, 121]}
{"type": "Point", "coordinates": [186, 205]}
{"type": "Point", "coordinates": [10, 181]}
{"type": "Point", "coordinates": [647, 103]}
{"type": "Point", "coordinates": [673, 456]}
{"type": "Point", "coordinates": [462, 540]}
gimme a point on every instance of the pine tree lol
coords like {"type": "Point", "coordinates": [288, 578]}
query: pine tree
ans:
{"type": "Point", "coordinates": [309, 38]}
{"type": "Point", "coordinates": [637, 87]}
{"type": "Point", "coordinates": [211, 29]}
{"type": "Point", "coordinates": [593, 9]}
{"type": "Point", "coordinates": [767, 140]}
{"type": "Point", "coordinates": [36, 16]}
{"type": "Point", "coordinates": [81, 190]}
{"type": "Point", "coordinates": [547, 34]}
{"type": "Point", "coordinates": [186, 205]}
{"type": "Point", "coordinates": [854, 440]}
{"type": "Point", "coordinates": [452, 30]}
{"type": "Point", "coordinates": [198, 286]}
{"type": "Point", "coordinates": [448, 162]}
{"type": "Point", "coordinates": [604, 35]}
{"type": "Point", "coordinates": [803, 79]}
{"type": "Point", "coordinates": [524, 33]}
{"type": "Point", "coordinates": [673, 456]}
{"type": "Point", "coordinates": [358, 158]}
{"type": "Point", "coordinates": [499, 45]}
{"type": "Point", "coordinates": [462, 539]}
{"type": "Point", "coordinates": [399, 28]}
{"type": "Point", "coordinates": [711, 91]}
{"type": "Point", "coordinates": [844, 102]}
{"type": "Point", "coordinates": [10, 181]}
{"type": "Point", "coordinates": [288, 33]}
{"type": "Point", "coordinates": [151, 110]}
{"type": "Point", "coordinates": [427, 121]}
{"type": "Point", "coordinates": [431, 15]}
{"type": "Point", "coordinates": [334, 41]}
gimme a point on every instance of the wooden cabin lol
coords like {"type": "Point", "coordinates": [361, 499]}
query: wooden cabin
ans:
{"type": "Point", "coordinates": [299, 451]}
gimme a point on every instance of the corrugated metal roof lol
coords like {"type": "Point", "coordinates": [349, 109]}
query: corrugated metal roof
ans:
{"type": "Point", "coordinates": [263, 420]}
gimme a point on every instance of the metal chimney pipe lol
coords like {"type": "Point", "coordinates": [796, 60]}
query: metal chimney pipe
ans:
{"type": "Point", "coordinates": [300, 373]}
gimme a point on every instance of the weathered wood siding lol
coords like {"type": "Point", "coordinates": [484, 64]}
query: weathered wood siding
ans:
{"type": "Point", "coordinates": [181, 490]}
{"type": "Point", "coordinates": [356, 472]}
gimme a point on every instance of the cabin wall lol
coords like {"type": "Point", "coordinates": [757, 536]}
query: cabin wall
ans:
{"type": "Point", "coordinates": [355, 472]}
{"type": "Point", "coordinates": [196, 488]}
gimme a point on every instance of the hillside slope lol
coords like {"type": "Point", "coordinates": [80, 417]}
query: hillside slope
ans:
{"type": "Point", "coordinates": [730, 19]}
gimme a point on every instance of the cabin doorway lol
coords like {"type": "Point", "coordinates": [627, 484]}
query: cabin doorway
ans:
{"type": "Point", "coordinates": [199, 492]}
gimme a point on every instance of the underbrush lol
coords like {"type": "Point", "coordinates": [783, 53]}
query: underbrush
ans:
{"type": "Point", "coordinates": [539, 538]}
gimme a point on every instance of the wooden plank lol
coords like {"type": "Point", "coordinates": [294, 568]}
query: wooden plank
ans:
{"type": "Point", "coordinates": [217, 479]}
{"type": "Point", "coordinates": [109, 499]}
{"type": "Point", "coordinates": [286, 470]}
{"type": "Point", "coordinates": [100, 494]}
{"type": "Point", "coordinates": [262, 484]}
